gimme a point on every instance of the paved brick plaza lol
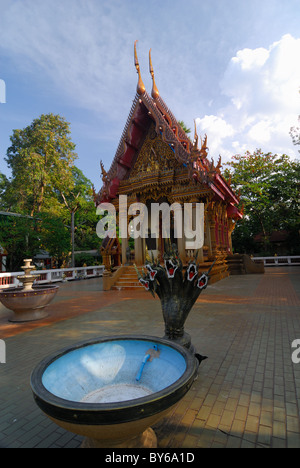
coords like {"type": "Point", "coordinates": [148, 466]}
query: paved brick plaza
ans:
{"type": "Point", "coordinates": [248, 390]}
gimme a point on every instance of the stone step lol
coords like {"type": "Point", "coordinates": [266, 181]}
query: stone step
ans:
{"type": "Point", "coordinates": [127, 285]}
{"type": "Point", "coordinates": [130, 275]}
{"type": "Point", "coordinates": [129, 281]}
{"type": "Point", "coordinates": [126, 282]}
{"type": "Point", "coordinates": [126, 288]}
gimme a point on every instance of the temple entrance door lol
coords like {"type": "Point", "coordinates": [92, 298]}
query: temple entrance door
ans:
{"type": "Point", "coordinates": [159, 243]}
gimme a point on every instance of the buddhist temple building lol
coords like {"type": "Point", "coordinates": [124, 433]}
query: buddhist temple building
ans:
{"type": "Point", "coordinates": [157, 162]}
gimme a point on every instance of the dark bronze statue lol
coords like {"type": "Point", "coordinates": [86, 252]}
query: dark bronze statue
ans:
{"type": "Point", "coordinates": [177, 290]}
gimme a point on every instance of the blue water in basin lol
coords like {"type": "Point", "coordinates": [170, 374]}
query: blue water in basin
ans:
{"type": "Point", "coordinates": [107, 371]}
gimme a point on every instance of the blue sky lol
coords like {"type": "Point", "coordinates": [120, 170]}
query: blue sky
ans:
{"type": "Point", "coordinates": [233, 65]}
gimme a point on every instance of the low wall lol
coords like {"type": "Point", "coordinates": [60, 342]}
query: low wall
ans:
{"type": "Point", "coordinates": [281, 260]}
{"type": "Point", "coordinates": [251, 266]}
{"type": "Point", "coordinates": [242, 264]}
{"type": "Point", "coordinates": [10, 280]}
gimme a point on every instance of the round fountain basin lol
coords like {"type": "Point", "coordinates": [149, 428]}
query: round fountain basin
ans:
{"type": "Point", "coordinates": [92, 388]}
{"type": "Point", "coordinates": [28, 305]}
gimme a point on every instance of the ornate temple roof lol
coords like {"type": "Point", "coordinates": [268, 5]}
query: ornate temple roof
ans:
{"type": "Point", "coordinates": [150, 110]}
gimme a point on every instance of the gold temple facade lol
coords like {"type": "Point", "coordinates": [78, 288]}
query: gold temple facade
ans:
{"type": "Point", "coordinates": [157, 162]}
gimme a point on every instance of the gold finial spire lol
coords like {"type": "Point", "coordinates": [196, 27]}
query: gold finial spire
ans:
{"type": "Point", "coordinates": [140, 86]}
{"type": "Point", "coordinates": [196, 138]}
{"type": "Point", "coordinates": [204, 147]}
{"type": "Point", "coordinates": [155, 92]}
{"type": "Point", "coordinates": [104, 173]}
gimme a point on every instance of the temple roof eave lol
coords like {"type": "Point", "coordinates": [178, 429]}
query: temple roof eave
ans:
{"type": "Point", "coordinates": [226, 189]}
{"type": "Point", "coordinates": [145, 109]}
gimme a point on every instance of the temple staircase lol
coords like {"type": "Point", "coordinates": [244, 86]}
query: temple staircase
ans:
{"type": "Point", "coordinates": [236, 264]}
{"type": "Point", "coordinates": [129, 280]}
{"type": "Point", "coordinates": [242, 264]}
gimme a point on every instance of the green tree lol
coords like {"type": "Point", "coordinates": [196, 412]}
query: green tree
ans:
{"type": "Point", "coordinates": [53, 236]}
{"type": "Point", "coordinates": [48, 188]}
{"type": "Point", "coordinates": [184, 127]}
{"type": "Point", "coordinates": [41, 158]}
{"type": "Point", "coordinates": [295, 134]}
{"type": "Point", "coordinates": [80, 205]}
{"type": "Point", "coordinates": [24, 236]}
{"type": "Point", "coordinates": [86, 219]}
{"type": "Point", "coordinates": [19, 237]}
{"type": "Point", "coordinates": [3, 185]}
{"type": "Point", "coordinates": [269, 188]}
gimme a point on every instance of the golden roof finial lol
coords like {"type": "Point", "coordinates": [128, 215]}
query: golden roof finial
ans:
{"type": "Point", "coordinates": [104, 173]}
{"type": "Point", "coordinates": [196, 138]}
{"type": "Point", "coordinates": [204, 147]}
{"type": "Point", "coordinates": [140, 86]}
{"type": "Point", "coordinates": [155, 92]}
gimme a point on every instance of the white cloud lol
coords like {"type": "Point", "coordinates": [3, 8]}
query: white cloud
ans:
{"type": "Point", "coordinates": [263, 88]}
{"type": "Point", "coordinates": [217, 128]}
{"type": "Point", "coordinates": [74, 44]}
{"type": "Point", "coordinates": [81, 52]}
{"type": "Point", "coordinates": [261, 131]}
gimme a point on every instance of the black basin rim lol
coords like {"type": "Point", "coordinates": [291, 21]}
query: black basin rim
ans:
{"type": "Point", "coordinates": [118, 412]}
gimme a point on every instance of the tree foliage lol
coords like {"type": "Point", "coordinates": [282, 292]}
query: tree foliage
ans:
{"type": "Point", "coordinates": [184, 127]}
{"type": "Point", "coordinates": [45, 187]}
{"type": "Point", "coordinates": [295, 134]}
{"type": "Point", "coordinates": [40, 157]}
{"type": "Point", "coordinates": [18, 236]}
{"type": "Point", "coordinates": [79, 203]}
{"type": "Point", "coordinates": [3, 185]}
{"type": "Point", "coordinates": [269, 187]}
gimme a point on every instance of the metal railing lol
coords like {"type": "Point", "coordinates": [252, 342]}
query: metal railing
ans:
{"type": "Point", "coordinates": [10, 280]}
{"type": "Point", "coordinates": [282, 260]}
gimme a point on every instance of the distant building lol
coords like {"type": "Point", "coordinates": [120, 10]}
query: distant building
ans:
{"type": "Point", "coordinates": [278, 242]}
{"type": "Point", "coordinates": [43, 260]}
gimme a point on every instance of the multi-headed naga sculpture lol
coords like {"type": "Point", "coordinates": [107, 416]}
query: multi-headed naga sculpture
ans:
{"type": "Point", "coordinates": [177, 290]}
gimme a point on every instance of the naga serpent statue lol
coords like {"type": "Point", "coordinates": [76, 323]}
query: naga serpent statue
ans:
{"type": "Point", "coordinates": [176, 289]}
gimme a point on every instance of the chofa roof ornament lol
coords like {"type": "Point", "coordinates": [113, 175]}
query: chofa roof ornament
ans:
{"type": "Point", "coordinates": [140, 86]}
{"type": "Point", "coordinates": [155, 92]}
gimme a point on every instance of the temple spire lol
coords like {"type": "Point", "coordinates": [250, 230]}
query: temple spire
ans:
{"type": "Point", "coordinates": [155, 92]}
{"type": "Point", "coordinates": [196, 138]}
{"type": "Point", "coordinates": [140, 86]}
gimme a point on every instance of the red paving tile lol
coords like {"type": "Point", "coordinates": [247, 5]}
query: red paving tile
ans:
{"type": "Point", "coordinates": [276, 288]}
{"type": "Point", "coordinates": [64, 309]}
{"type": "Point", "coordinates": [247, 392]}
